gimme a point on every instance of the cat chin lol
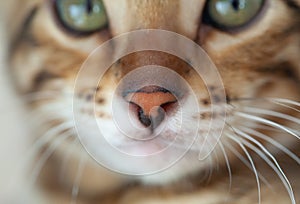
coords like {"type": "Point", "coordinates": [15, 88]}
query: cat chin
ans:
{"type": "Point", "coordinates": [188, 165]}
{"type": "Point", "coordinates": [156, 166]}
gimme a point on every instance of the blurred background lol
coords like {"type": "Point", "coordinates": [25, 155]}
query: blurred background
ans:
{"type": "Point", "coordinates": [13, 130]}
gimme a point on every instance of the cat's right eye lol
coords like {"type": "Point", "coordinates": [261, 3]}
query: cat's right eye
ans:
{"type": "Point", "coordinates": [81, 16]}
{"type": "Point", "coordinates": [230, 14]}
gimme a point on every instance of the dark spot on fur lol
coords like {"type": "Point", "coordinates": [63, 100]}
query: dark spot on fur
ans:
{"type": "Point", "coordinates": [188, 71]}
{"type": "Point", "coordinates": [205, 102]}
{"type": "Point", "coordinates": [89, 97]}
{"type": "Point", "coordinates": [205, 115]}
{"type": "Point", "coordinates": [211, 88]}
{"type": "Point", "coordinates": [268, 85]}
{"type": "Point", "coordinates": [228, 99]}
{"type": "Point", "coordinates": [202, 116]}
{"type": "Point", "coordinates": [216, 98]}
{"type": "Point", "coordinates": [117, 74]}
{"type": "Point", "coordinates": [101, 100]}
{"type": "Point", "coordinates": [42, 77]}
{"type": "Point", "coordinates": [283, 69]}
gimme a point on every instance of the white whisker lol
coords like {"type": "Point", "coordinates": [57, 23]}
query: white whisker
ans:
{"type": "Point", "coordinates": [41, 141]}
{"type": "Point", "coordinates": [48, 136]}
{"type": "Point", "coordinates": [245, 162]}
{"type": "Point", "coordinates": [228, 166]}
{"type": "Point", "coordinates": [42, 115]}
{"type": "Point", "coordinates": [278, 101]}
{"type": "Point", "coordinates": [272, 113]}
{"type": "Point", "coordinates": [49, 151]}
{"type": "Point", "coordinates": [217, 161]}
{"type": "Point", "coordinates": [281, 100]}
{"type": "Point", "coordinates": [273, 142]}
{"type": "Point", "coordinates": [66, 158]}
{"type": "Point", "coordinates": [80, 169]}
{"type": "Point", "coordinates": [251, 162]}
{"type": "Point", "coordinates": [279, 172]}
{"type": "Point", "coordinates": [37, 96]}
{"type": "Point", "coordinates": [45, 156]}
{"type": "Point", "coordinates": [285, 101]}
{"type": "Point", "coordinates": [210, 172]}
{"type": "Point", "coordinates": [264, 127]}
{"type": "Point", "coordinates": [268, 122]}
{"type": "Point", "coordinates": [287, 106]}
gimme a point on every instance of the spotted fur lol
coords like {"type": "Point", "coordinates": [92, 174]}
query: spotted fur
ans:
{"type": "Point", "coordinates": [257, 63]}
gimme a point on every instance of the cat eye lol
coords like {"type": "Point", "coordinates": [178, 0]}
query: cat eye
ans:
{"type": "Point", "coordinates": [228, 14]}
{"type": "Point", "coordinates": [82, 16]}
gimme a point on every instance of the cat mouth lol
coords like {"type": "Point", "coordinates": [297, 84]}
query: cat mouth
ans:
{"type": "Point", "coordinates": [161, 143]}
{"type": "Point", "coordinates": [142, 148]}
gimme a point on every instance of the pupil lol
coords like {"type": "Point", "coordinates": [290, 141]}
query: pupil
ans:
{"type": "Point", "coordinates": [235, 4]}
{"type": "Point", "coordinates": [89, 6]}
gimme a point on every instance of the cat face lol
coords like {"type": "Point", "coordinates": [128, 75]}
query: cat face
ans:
{"type": "Point", "coordinates": [256, 57]}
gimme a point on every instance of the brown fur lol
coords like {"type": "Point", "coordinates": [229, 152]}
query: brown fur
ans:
{"type": "Point", "coordinates": [261, 60]}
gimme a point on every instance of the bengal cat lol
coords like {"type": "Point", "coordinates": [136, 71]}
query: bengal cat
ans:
{"type": "Point", "coordinates": [254, 46]}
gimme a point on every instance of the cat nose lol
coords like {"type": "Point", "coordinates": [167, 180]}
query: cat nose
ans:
{"type": "Point", "coordinates": [151, 104]}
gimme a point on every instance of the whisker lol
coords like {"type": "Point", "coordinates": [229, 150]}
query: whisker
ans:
{"type": "Point", "coordinates": [217, 161]}
{"type": "Point", "coordinates": [251, 162]}
{"type": "Point", "coordinates": [80, 169]}
{"type": "Point", "coordinates": [273, 142]}
{"type": "Point", "coordinates": [38, 144]}
{"type": "Point", "coordinates": [210, 171]}
{"type": "Point", "coordinates": [245, 162]}
{"type": "Point", "coordinates": [279, 101]}
{"type": "Point", "coordinates": [279, 172]}
{"type": "Point", "coordinates": [248, 137]}
{"type": "Point", "coordinates": [272, 113]}
{"type": "Point", "coordinates": [285, 101]}
{"type": "Point", "coordinates": [49, 94]}
{"type": "Point", "coordinates": [268, 122]}
{"type": "Point", "coordinates": [36, 96]}
{"type": "Point", "coordinates": [264, 127]}
{"type": "Point", "coordinates": [38, 115]}
{"type": "Point", "coordinates": [52, 132]}
{"type": "Point", "coordinates": [211, 159]}
{"type": "Point", "coordinates": [286, 106]}
{"type": "Point", "coordinates": [66, 158]}
{"type": "Point", "coordinates": [228, 166]}
{"type": "Point", "coordinates": [56, 142]}
{"type": "Point", "coordinates": [46, 155]}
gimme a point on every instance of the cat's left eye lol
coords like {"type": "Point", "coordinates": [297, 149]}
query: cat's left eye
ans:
{"type": "Point", "coordinates": [82, 16]}
{"type": "Point", "coordinates": [231, 14]}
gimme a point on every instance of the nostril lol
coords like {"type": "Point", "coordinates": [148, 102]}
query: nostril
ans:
{"type": "Point", "coordinates": [156, 116]}
{"type": "Point", "coordinates": [145, 120]}
{"type": "Point", "coordinates": [151, 104]}
{"type": "Point", "coordinates": [168, 107]}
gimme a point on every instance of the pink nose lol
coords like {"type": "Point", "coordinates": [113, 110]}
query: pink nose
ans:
{"type": "Point", "coordinates": [151, 103]}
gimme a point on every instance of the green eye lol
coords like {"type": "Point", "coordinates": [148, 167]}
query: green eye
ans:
{"type": "Point", "coordinates": [83, 16]}
{"type": "Point", "coordinates": [232, 13]}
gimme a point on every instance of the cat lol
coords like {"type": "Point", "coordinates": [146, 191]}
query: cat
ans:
{"type": "Point", "coordinates": [254, 45]}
